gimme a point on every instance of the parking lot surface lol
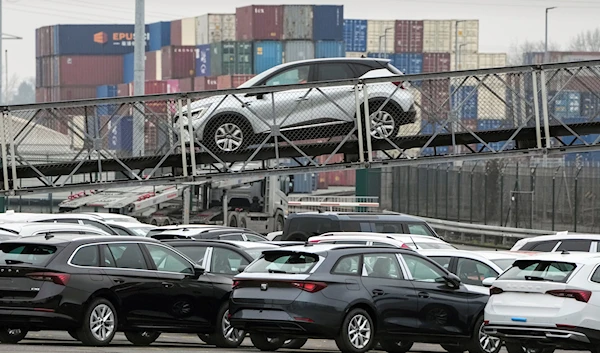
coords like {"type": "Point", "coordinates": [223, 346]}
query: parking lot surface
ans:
{"type": "Point", "coordinates": [45, 341]}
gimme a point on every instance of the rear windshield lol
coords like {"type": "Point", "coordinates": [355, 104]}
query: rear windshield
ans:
{"type": "Point", "coordinates": [32, 254]}
{"type": "Point", "coordinates": [504, 263]}
{"type": "Point", "coordinates": [283, 262]}
{"type": "Point", "coordinates": [256, 252]}
{"type": "Point", "coordinates": [536, 270]}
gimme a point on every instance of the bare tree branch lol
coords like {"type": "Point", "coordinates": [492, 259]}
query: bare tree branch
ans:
{"type": "Point", "coordinates": [586, 41]}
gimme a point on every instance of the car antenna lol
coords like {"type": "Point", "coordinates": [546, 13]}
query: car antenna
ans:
{"type": "Point", "coordinates": [413, 241]}
{"type": "Point", "coordinates": [564, 252]}
{"type": "Point", "coordinates": [48, 236]}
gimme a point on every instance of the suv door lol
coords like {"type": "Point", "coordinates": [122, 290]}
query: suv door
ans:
{"type": "Point", "coordinates": [225, 262]}
{"type": "Point", "coordinates": [343, 96]}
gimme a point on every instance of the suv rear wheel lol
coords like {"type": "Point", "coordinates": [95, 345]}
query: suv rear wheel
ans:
{"type": "Point", "coordinates": [228, 134]}
{"type": "Point", "coordinates": [481, 342]}
{"type": "Point", "coordinates": [99, 323]}
{"type": "Point", "coordinates": [356, 334]}
{"type": "Point", "coordinates": [12, 335]}
{"type": "Point", "coordinates": [144, 338]}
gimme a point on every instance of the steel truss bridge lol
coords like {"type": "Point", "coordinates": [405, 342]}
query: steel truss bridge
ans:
{"type": "Point", "coordinates": [315, 127]}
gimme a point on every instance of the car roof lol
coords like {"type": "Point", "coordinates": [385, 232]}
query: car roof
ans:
{"type": "Point", "coordinates": [19, 217]}
{"type": "Point", "coordinates": [577, 257]}
{"type": "Point", "coordinates": [405, 238]}
{"type": "Point", "coordinates": [345, 216]}
{"type": "Point", "coordinates": [114, 217]}
{"type": "Point", "coordinates": [188, 226]}
{"type": "Point", "coordinates": [323, 249]}
{"type": "Point", "coordinates": [564, 236]}
{"type": "Point", "coordinates": [481, 255]}
{"type": "Point", "coordinates": [326, 60]}
{"type": "Point", "coordinates": [210, 242]}
{"type": "Point", "coordinates": [85, 239]}
{"type": "Point", "coordinates": [130, 224]}
{"type": "Point", "coordinates": [33, 227]}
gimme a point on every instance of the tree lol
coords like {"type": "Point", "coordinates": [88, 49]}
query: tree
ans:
{"type": "Point", "coordinates": [516, 55]}
{"type": "Point", "coordinates": [586, 41]}
{"type": "Point", "coordinates": [25, 93]}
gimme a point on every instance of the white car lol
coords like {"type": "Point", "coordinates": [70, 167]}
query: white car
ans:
{"type": "Point", "coordinates": [113, 217]}
{"type": "Point", "coordinates": [23, 230]}
{"type": "Point", "coordinates": [136, 229]}
{"type": "Point", "coordinates": [74, 218]}
{"type": "Point", "coordinates": [274, 236]}
{"type": "Point", "coordinates": [232, 123]}
{"type": "Point", "coordinates": [559, 242]}
{"type": "Point", "coordinates": [162, 229]}
{"type": "Point", "coordinates": [546, 302]}
{"type": "Point", "coordinates": [411, 241]}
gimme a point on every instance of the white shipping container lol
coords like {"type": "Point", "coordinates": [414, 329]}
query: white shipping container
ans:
{"type": "Point", "coordinates": [491, 99]}
{"type": "Point", "coordinates": [489, 60]}
{"type": "Point", "coordinates": [355, 54]}
{"type": "Point", "coordinates": [214, 28]}
{"type": "Point", "coordinates": [188, 31]}
{"type": "Point", "coordinates": [159, 65]}
{"type": "Point", "coordinates": [465, 61]}
{"type": "Point", "coordinates": [439, 36]}
{"type": "Point", "coordinates": [468, 36]}
{"type": "Point", "coordinates": [377, 39]}
{"type": "Point", "coordinates": [296, 50]}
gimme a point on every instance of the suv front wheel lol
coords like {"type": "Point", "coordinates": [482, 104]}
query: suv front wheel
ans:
{"type": "Point", "coordinates": [357, 332]}
{"type": "Point", "coordinates": [481, 342]}
{"type": "Point", "coordinates": [228, 134]}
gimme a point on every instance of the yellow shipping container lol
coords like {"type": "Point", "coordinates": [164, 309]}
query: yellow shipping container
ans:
{"type": "Point", "coordinates": [439, 36]}
{"type": "Point", "coordinates": [490, 60]}
{"type": "Point", "coordinates": [188, 31]}
{"type": "Point", "coordinates": [378, 40]}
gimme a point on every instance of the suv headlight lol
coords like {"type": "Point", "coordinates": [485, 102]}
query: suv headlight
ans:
{"type": "Point", "coordinates": [196, 113]}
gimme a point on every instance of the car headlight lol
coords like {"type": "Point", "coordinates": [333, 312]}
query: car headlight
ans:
{"type": "Point", "coordinates": [197, 113]}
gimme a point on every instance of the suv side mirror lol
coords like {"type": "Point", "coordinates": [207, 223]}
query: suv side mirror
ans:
{"type": "Point", "coordinates": [198, 271]}
{"type": "Point", "coordinates": [451, 280]}
{"type": "Point", "coordinates": [488, 282]}
{"type": "Point", "coordinates": [241, 268]}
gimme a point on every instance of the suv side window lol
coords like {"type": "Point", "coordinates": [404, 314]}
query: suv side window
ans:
{"type": "Point", "coordinates": [295, 75]}
{"type": "Point", "coordinates": [127, 255]}
{"type": "Point", "coordinates": [334, 71]}
{"type": "Point", "coordinates": [226, 261]}
{"type": "Point", "coordinates": [419, 229]}
{"type": "Point", "coordinates": [167, 260]}
{"type": "Point", "coordinates": [473, 272]}
{"type": "Point", "coordinates": [382, 266]}
{"type": "Point", "coordinates": [421, 269]}
{"type": "Point", "coordinates": [541, 246]}
{"type": "Point", "coordinates": [311, 226]}
{"type": "Point", "coordinates": [347, 265]}
{"type": "Point", "coordinates": [575, 245]}
{"type": "Point", "coordinates": [86, 256]}
{"type": "Point", "coordinates": [443, 261]}
{"type": "Point", "coordinates": [361, 69]}
{"type": "Point", "coordinates": [596, 275]}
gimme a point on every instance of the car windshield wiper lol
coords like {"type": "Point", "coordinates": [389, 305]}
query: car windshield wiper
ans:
{"type": "Point", "coordinates": [15, 262]}
{"type": "Point", "coordinates": [276, 271]}
{"type": "Point", "coordinates": [536, 278]}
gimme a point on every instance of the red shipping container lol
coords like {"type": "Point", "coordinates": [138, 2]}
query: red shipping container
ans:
{"type": "Point", "coordinates": [45, 41]}
{"type": "Point", "coordinates": [123, 90]}
{"type": "Point", "coordinates": [150, 65]}
{"type": "Point", "coordinates": [436, 62]}
{"type": "Point", "coordinates": [408, 36]}
{"type": "Point", "coordinates": [176, 31]}
{"type": "Point", "coordinates": [42, 95]}
{"type": "Point", "coordinates": [66, 93]}
{"type": "Point", "coordinates": [178, 62]}
{"type": "Point", "coordinates": [205, 83]}
{"type": "Point", "coordinates": [46, 71]}
{"type": "Point", "coordinates": [322, 182]}
{"type": "Point", "coordinates": [186, 84]}
{"type": "Point", "coordinates": [435, 102]}
{"type": "Point", "coordinates": [232, 81]}
{"type": "Point", "coordinates": [88, 70]}
{"type": "Point", "coordinates": [155, 87]}
{"type": "Point", "coordinates": [258, 22]}
{"type": "Point", "coordinates": [150, 137]}
{"type": "Point", "coordinates": [469, 124]}
{"type": "Point", "coordinates": [342, 178]}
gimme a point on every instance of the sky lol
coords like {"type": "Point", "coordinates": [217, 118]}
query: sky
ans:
{"type": "Point", "coordinates": [502, 23]}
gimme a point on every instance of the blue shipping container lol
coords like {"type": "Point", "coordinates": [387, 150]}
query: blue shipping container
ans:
{"type": "Point", "coordinates": [355, 35]}
{"type": "Point", "coordinates": [465, 100]}
{"type": "Point", "coordinates": [429, 128]}
{"type": "Point", "coordinates": [329, 49]}
{"type": "Point", "coordinates": [267, 54]}
{"type": "Point", "coordinates": [120, 137]}
{"type": "Point", "coordinates": [494, 124]}
{"type": "Point", "coordinates": [328, 22]}
{"type": "Point", "coordinates": [567, 104]}
{"type": "Point", "coordinates": [159, 35]}
{"type": "Point", "coordinates": [128, 68]}
{"type": "Point", "coordinates": [497, 146]}
{"type": "Point", "coordinates": [94, 39]}
{"type": "Point", "coordinates": [304, 183]}
{"type": "Point", "coordinates": [408, 63]}
{"type": "Point", "coordinates": [380, 55]}
{"type": "Point", "coordinates": [590, 105]}
{"type": "Point", "coordinates": [106, 91]}
{"type": "Point", "coordinates": [441, 150]}
{"type": "Point", "coordinates": [203, 60]}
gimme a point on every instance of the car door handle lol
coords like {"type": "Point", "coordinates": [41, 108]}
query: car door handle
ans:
{"type": "Point", "coordinates": [301, 99]}
{"type": "Point", "coordinates": [246, 104]}
{"type": "Point", "coordinates": [423, 295]}
{"type": "Point", "coordinates": [167, 284]}
{"type": "Point", "coordinates": [377, 292]}
{"type": "Point", "coordinates": [118, 280]}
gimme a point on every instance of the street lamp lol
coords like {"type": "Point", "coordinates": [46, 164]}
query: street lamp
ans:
{"type": "Point", "coordinates": [456, 44]}
{"type": "Point", "coordinates": [384, 36]}
{"type": "Point", "coordinates": [546, 42]}
{"type": "Point", "coordinates": [6, 36]}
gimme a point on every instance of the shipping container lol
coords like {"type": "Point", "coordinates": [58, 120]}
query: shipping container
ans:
{"type": "Point", "coordinates": [42, 95]}
{"type": "Point", "coordinates": [380, 36]}
{"type": "Point", "coordinates": [128, 67]}
{"type": "Point", "coordinates": [355, 35]}
{"type": "Point", "coordinates": [439, 36]}
{"type": "Point", "coordinates": [120, 137]}
{"type": "Point", "coordinates": [123, 90]}
{"type": "Point", "coordinates": [436, 62]}
{"type": "Point", "coordinates": [493, 124]}
{"type": "Point", "coordinates": [156, 87]}
{"type": "Point", "coordinates": [567, 104]}
{"type": "Point", "coordinates": [94, 39]}
{"type": "Point", "coordinates": [67, 93]}
{"type": "Point", "coordinates": [267, 54]}
{"type": "Point", "coordinates": [380, 55]}
{"type": "Point", "coordinates": [330, 49]}
{"type": "Point", "coordinates": [436, 151]}
{"type": "Point", "coordinates": [244, 58]}
{"type": "Point", "coordinates": [228, 58]}
{"type": "Point", "coordinates": [205, 83]}
{"type": "Point", "coordinates": [304, 183]}
{"type": "Point", "coordinates": [38, 42]}
{"type": "Point", "coordinates": [186, 84]}
{"type": "Point", "coordinates": [322, 182]}
{"type": "Point", "coordinates": [106, 91]}
{"type": "Point", "coordinates": [408, 63]}
{"type": "Point", "coordinates": [408, 36]}
{"type": "Point", "coordinates": [590, 105]}
{"type": "Point", "coordinates": [297, 22]}
{"type": "Point", "coordinates": [160, 35]}
{"type": "Point", "coordinates": [38, 72]}
{"type": "Point", "coordinates": [534, 58]}
{"type": "Point", "coordinates": [178, 62]}
{"type": "Point", "coordinates": [490, 60]}
{"type": "Point", "coordinates": [295, 50]}
{"type": "Point", "coordinates": [45, 41]}
{"type": "Point", "coordinates": [328, 22]}
{"type": "Point", "coordinates": [91, 70]}
{"type": "Point", "coordinates": [150, 69]}
{"type": "Point", "coordinates": [259, 22]}
{"type": "Point", "coordinates": [341, 178]}
{"type": "Point", "coordinates": [188, 31]}
{"type": "Point", "coordinates": [465, 61]}
{"type": "Point", "coordinates": [464, 102]}
{"type": "Point", "coordinates": [435, 100]}
{"type": "Point", "coordinates": [203, 60]}
{"type": "Point", "coordinates": [214, 28]}
{"type": "Point", "coordinates": [173, 86]}
{"type": "Point", "coordinates": [491, 96]}
{"type": "Point", "coordinates": [176, 32]}
{"type": "Point", "coordinates": [232, 81]}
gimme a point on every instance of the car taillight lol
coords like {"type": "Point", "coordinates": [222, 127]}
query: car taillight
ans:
{"type": "Point", "coordinates": [311, 287]}
{"type": "Point", "coordinates": [579, 295]}
{"type": "Point", "coordinates": [495, 290]}
{"type": "Point", "coordinates": [235, 284]}
{"type": "Point", "coordinates": [313, 240]}
{"type": "Point", "coordinates": [57, 278]}
{"type": "Point", "coordinates": [399, 84]}
{"type": "Point", "coordinates": [404, 246]}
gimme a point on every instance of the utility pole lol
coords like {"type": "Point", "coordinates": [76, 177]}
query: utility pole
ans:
{"type": "Point", "coordinates": [1, 95]}
{"type": "Point", "coordinates": [139, 53]}
{"type": "Point", "coordinates": [456, 45]}
{"type": "Point", "coordinates": [546, 41]}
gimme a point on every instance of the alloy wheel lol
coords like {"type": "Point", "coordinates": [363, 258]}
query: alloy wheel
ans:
{"type": "Point", "coordinates": [359, 331]}
{"type": "Point", "coordinates": [229, 137]}
{"type": "Point", "coordinates": [488, 343]}
{"type": "Point", "coordinates": [13, 331]}
{"type": "Point", "coordinates": [382, 125]}
{"type": "Point", "coordinates": [102, 322]}
{"type": "Point", "coordinates": [229, 332]}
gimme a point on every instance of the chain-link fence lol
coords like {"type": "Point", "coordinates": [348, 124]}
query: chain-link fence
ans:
{"type": "Point", "coordinates": [513, 193]}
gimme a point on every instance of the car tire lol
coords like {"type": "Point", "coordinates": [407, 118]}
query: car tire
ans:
{"type": "Point", "coordinates": [512, 347]}
{"type": "Point", "coordinates": [12, 335]}
{"type": "Point", "coordinates": [460, 348]}
{"type": "Point", "coordinates": [208, 339]}
{"type": "Point", "coordinates": [387, 120]}
{"type": "Point", "coordinates": [298, 236]}
{"type": "Point", "coordinates": [73, 334]}
{"type": "Point", "coordinates": [226, 336]}
{"type": "Point", "coordinates": [99, 312]}
{"type": "Point", "coordinates": [359, 320]}
{"type": "Point", "coordinates": [295, 343]}
{"type": "Point", "coordinates": [142, 338]}
{"type": "Point", "coordinates": [266, 343]}
{"type": "Point", "coordinates": [396, 346]}
{"type": "Point", "coordinates": [233, 222]}
{"type": "Point", "coordinates": [231, 124]}
{"type": "Point", "coordinates": [481, 342]}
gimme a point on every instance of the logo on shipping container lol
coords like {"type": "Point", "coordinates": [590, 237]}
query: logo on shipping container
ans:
{"type": "Point", "coordinates": [101, 38]}
{"type": "Point", "coordinates": [257, 10]}
{"type": "Point", "coordinates": [125, 39]}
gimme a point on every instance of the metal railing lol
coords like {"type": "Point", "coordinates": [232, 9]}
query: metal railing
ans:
{"type": "Point", "coordinates": [298, 204]}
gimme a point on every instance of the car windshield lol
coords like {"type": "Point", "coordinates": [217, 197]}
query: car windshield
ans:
{"type": "Point", "coordinates": [504, 263]}
{"type": "Point", "coordinates": [431, 245]}
{"type": "Point", "coordinates": [283, 262]}
{"type": "Point", "coordinates": [537, 270]}
{"type": "Point", "coordinates": [140, 231]}
{"type": "Point", "coordinates": [26, 253]}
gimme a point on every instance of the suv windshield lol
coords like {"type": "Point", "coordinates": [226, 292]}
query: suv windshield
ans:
{"type": "Point", "coordinates": [536, 270]}
{"type": "Point", "coordinates": [283, 262]}
{"type": "Point", "coordinates": [25, 253]}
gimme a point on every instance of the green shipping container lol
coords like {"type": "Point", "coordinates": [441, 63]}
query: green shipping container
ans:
{"type": "Point", "coordinates": [368, 183]}
{"type": "Point", "coordinates": [244, 55]}
{"type": "Point", "coordinates": [231, 58]}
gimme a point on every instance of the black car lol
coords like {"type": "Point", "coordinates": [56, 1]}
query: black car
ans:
{"type": "Point", "coordinates": [93, 287]}
{"type": "Point", "coordinates": [301, 226]}
{"type": "Point", "coordinates": [355, 295]}
{"type": "Point", "coordinates": [211, 233]}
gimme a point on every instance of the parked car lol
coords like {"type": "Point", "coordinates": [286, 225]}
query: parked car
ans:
{"type": "Point", "coordinates": [562, 241]}
{"type": "Point", "coordinates": [546, 302]}
{"type": "Point", "coordinates": [301, 226]}
{"type": "Point", "coordinates": [275, 236]}
{"type": "Point", "coordinates": [232, 123]}
{"type": "Point", "coordinates": [74, 218]}
{"type": "Point", "coordinates": [113, 217]}
{"type": "Point", "coordinates": [23, 230]}
{"type": "Point", "coordinates": [356, 295]}
{"type": "Point", "coordinates": [212, 233]}
{"type": "Point", "coordinates": [93, 287]}
{"type": "Point", "coordinates": [131, 228]}
{"type": "Point", "coordinates": [406, 241]}
{"type": "Point", "coordinates": [162, 229]}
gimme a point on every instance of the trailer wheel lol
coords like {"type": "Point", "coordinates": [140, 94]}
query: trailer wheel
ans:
{"type": "Point", "coordinates": [233, 222]}
{"type": "Point", "coordinates": [243, 223]}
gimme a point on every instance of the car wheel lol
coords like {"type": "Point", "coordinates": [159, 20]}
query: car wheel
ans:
{"type": "Point", "coordinates": [228, 134]}
{"type": "Point", "coordinates": [396, 346]}
{"type": "Point", "coordinates": [512, 347]}
{"type": "Point", "coordinates": [481, 342]}
{"type": "Point", "coordinates": [460, 348]}
{"type": "Point", "coordinates": [12, 335]}
{"type": "Point", "coordinates": [243, 223]}
{"type": "Point", "coordinates": [73, 334]}
{"type": "Point", "coordinates": [295, 343]}
{"type": "Point", "coordinates": [227, 336]}
{"type": "Point", "coordinates": [357, 331]}
{"type": "Point", "coordinates": [99, 323]}
{"type": "Point", "coordinates": [233, 222]}
{"type": "Point", "coordinates": [298, 236]}
{"type": "Point", "coordinates": [144, 338]}
{"type": "Point", "coordinates": [279, 224]}
{"type": "Point", "coordinates": [266, 343]}
{"type": "Point", "coordinates": [383, 123]}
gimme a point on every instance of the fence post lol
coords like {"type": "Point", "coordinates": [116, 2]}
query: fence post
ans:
{"type": "Point", "coordinates": [418, 189]}
{"type": "Point", "coordinates": [459, 192]}
{"type": "Point", "coordinates": [447, 188]}
{"type": "Point", "coordinates": [501, 195]}
{"type": "Point", "coordinates": [576, 199]}
{"type": "Point", "coordinates": [471, 195]}
{"type": "Point", "coordinates": [408, 189]}
{"type": "Point", "coordinates": [532, 188]}
{"type": "Point", "coordinates": [485, 191]}
{"type": "Point", "coordinates": [426, 192]}
{"type": "Point", "coordinates": [517, 197]}
{"type": "Point", "coordinates": [554, 196]}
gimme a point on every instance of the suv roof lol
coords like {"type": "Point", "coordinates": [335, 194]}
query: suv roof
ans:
{"type": "Point", "coordinates": [358, 216]}
{"type": "Point", "coordinates": [68, 238]}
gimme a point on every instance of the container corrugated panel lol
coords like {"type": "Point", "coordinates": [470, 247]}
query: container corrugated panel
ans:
{"type": "Point", "coordinates": [106, 91]}
{"type": "Point", "coordinates": [468, 34]}
{"type": "Point", "coordinates": [378, 40]}
{"type": "Point", "coordinates": [408, 36]}
{"type": "Point", "coordinates": [88, 70]}
{"type": "Point", "coordinates": [38, 72]}
{"type": "Point", "coordinates": [155, 87]}
{"type": "Point", "coordinates": [176, 32]}
{"type": "Point", "coordinates": [490, 60]}
{"type": "Point", "coordinates": [322, 182]}
{"type": "Point", "coordinates": [259, 22]}
{"type": "Point", "coordinates": [464, 101]}
{"type": "Point", "coordinates": [188, 31]}
{"type": "Point", "coordinates": [150, 65]}
{"type": "Point", "coordinates": [342, 178]}
{"type": "Point", "coordinates": [437, 36]}
{"type": "Point", "coordinates": [120, 136]}
{"type": "Point", "coordinates": [567, 104]}
{"type": "Point", "coordinates": [493, 124]}
{"type": "Point", "coordinates": [214, 28]}
{"type": "Point", "coordinates": [267, 54]}
{"type": "Point", "coordinates": [123, 90]}
{"type": "Point", "coordinates": [128, 68]}
{"type": "Point", "coordinates": [328, 22]}
{"type": "Point", "coordinates": [94, 39]}
{"type": "Point", "coordinates": [590, 105]}
{"type": "Point", "coordinates": [355, 35]}
{"type": "Point", "coordinates": [186, 84]}
{"type": "Point", "coordinates": [435, 100]}
{"type": "Point", "coordinates": [178, 62]}
{"type": "Point", "coordinates": [297, 22]}
{"type": "Point", "coordinates": [203, 60]}
{"type": "Point", "coordinates": [299, 50]}
{"type": "Point", "coordinates": [158, 73]}
{"type": "Point", "coordinates": [65, 93]}
{"type": "Point", "coordinates": [244, 58]}
{"type": "Point", "coordinates": [304, 183]}
{"type": "Point", "coordinates": [330, 49]}
{"type": "Point", "coordinates": [490, 105]}
{"type": "Point", "coordinates": [38, 41]}
{"type": "Point", "coordinates": [465, 61]}
{"type": "Point", "coordinates": [42, 95]}
{"type": "Point", "coordinates": [231, 81]}
{"type": "Point", "coordinates": [408, 63]}
{"type": "Point", "coordinates": [160, 35]}
{"type": "Point", "coordinates": [436, 62]}
{"type": "Point", "coordinates": [222, 58]}
{"type": "Point", "coordinates": [205, 83]}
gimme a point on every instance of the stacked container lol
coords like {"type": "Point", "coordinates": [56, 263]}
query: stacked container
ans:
{"type": "Point", "coordinates": [355, 37]}
{"type": "Point", "coordinates": [214, 28]}
{"type": "Point", "coordinates": [258, 22]}
{"type": "Point", "coordinates": [229, 58]}
{"type": "Point", "coordinates": [408, 37]}
{"type": "Point", "coordinates": [380, 36]}
{"type": "Point", "coordinates": [183, 32]}
{"type": "Point", "coordinates": [178, 62]}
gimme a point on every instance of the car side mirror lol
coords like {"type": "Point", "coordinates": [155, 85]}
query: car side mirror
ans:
{"type": "Point", "coordinates": [451, 280]}
{"type": "Point", "coordinates": [488, 282]}
{"type": "Point", "coordinates": [198, 271]}
{"type": "Point", "coordinates": [241, 268]}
